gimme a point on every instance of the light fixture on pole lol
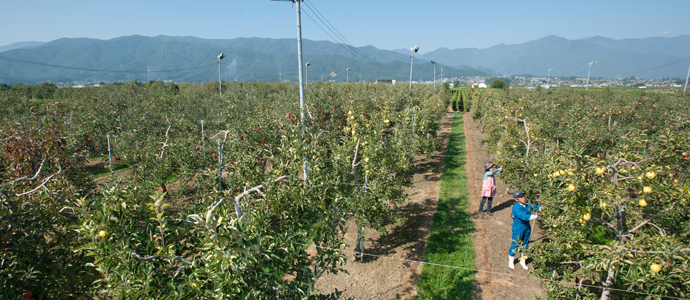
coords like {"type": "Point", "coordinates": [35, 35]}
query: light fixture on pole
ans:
{"type": "Point", "coordinates": [588, 73]}
{"type": "Point", "coordinates": [434, 63]}
{"type": "Point", "coordinates": [414, 49]}
{"type": "Point", "coordinates": [348, 75]}
{"type": "Point", "coordinates": [220, 83]}
{"type": "Point", "coordinates": [548, 78]}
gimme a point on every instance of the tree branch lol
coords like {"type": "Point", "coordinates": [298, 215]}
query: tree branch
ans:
{"type": "Point", "coordinates": [42, 184]}
{"type": "Point", "coordinates": [165, 144]}
{"type": "Point", "coordinates": [237, 198]}
{"type": "Point", "coordinates": [32, 178]}
{"type": "Point", "coordinates": [649, 220]}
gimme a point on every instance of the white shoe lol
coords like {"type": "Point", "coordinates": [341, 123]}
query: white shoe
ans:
{"type": "Point", "coordinates": [511, 262]}
{"type": "Point", "coordinates": [522, 263]}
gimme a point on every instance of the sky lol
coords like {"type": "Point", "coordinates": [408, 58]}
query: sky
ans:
{"type": "Point", "coordinates": [401, 24]}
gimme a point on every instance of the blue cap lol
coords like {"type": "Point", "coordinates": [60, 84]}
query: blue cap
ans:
{"type": "Point", "coordinates": [518, 194]}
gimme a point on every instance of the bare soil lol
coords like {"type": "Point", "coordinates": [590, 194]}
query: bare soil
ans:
{"type": "Point", "coordinates": [493, 233]}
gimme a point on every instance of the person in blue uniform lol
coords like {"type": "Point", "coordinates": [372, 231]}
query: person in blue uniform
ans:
{"type": "Point", "coordinates": [522, 214]}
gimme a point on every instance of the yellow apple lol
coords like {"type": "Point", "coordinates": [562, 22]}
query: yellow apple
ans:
{"type": "Point", "coordinates": [655, 267]}
{"type": "Point", "coordinates": [643, 203]}
{"type": "Point", "coordinates": [650, 175]}
{"type": "Point", "coordinates": [571, 188]}
{"type": "Point", "coordinates": [647, 189]}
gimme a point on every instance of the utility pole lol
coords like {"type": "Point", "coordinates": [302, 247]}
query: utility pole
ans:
{"type": "Point", "coordinates": [280, 76]}
{"type": "Point", "coordinates": [442, 76]}
{"type": "Point", "coordinates": [588, 73]}
{"type": "Point", "coordinates": [148, 75]}
{"type": "Point", "coordinates": [299, 63]}
{"type": "Point", "coordinates": [220, 83]}
{"type": "Point", "coordinates": [434, 63]}
{"type": "Point", "coordinates": [348, 75]}
{"type": "Point", "coordinates": [414, 49]}
{"type": "Point", "coordinates": [548, 78]}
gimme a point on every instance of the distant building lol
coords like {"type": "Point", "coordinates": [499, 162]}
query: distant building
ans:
{"type": "Point", "coordinates": [386, 81]}
{"type": "Point", "coordinates": [480, 85]}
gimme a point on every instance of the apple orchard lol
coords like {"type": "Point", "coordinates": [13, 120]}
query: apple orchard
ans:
{"type": "Point", "coordinates": [208, 198]}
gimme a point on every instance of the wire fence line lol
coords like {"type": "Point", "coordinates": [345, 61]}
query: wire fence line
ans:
{"type": "Point", "coordinates": [487, 271]}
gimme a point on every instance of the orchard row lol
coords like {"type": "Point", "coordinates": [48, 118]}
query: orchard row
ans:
{"type": "Point", "coordinates": [611, 169]}
{"type": "Point", "coordinates": [214, 202]}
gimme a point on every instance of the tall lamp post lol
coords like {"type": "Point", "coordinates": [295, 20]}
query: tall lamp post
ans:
{"type": "Point", "coordinates": [548, 78]}
{"type": "Point", "coordinates": [414, 49]}
{"type": "Point", "coordinates": [348, 75]}
{"type": "Point", "coordinates": [434, 63]}
{"type": "Point", "coordinates": [220, 83]}
{"type": "Point", "coordinates": [588, 73]}
{"type": "Point", "coordinates": [442, 76]}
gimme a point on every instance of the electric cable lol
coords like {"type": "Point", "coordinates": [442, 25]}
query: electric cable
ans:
{"type": "Point", "coordinates": [341, 45]}
{"type": "Point", "coordinates": [338, 34]}
{"type": "Point", "coordinates": [103, 71]}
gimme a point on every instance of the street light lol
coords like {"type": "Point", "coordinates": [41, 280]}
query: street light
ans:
{"type": "Point", "coordinates": [414, 49]}
{"type": "Point", "coordinates": [220, 83]}
{"type": "Point", "coordinates": [348, 75]}
{"type": "Point", "coordinates": [549, 78]}
{"type": "Point", "coordinates": [590, 71]}
{"type": "Point", "coordinates": [434, 63]}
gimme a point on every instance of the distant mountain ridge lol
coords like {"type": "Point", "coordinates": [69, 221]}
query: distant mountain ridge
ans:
{"type": "Point", "coordinates": [20, 45]}
{"type": "Point", "coordinates": [194, 60]}
{"type": "Point", "coordinates": [650, 57]}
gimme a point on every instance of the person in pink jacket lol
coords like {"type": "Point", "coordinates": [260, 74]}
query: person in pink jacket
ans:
{"type": "Point", "coordinates": [489, 187]}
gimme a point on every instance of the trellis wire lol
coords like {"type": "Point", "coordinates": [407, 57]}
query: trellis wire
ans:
{"type": "Point", "coordinates": [487, 271]}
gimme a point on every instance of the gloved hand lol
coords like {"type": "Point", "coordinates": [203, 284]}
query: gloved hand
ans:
{"type": "Point", "coordinates": [532, 217]}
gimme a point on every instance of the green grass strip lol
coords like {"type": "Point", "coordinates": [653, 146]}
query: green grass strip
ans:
{"type": "Point", "coordinates": [450, 240]}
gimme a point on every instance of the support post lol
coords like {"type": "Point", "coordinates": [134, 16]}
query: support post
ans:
{"type": "Point", "coordinates": [220, 166]}
{"type": "Point", "coordinates": [110, 156]}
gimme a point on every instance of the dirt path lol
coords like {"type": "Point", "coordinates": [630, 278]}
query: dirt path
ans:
{"type": "Point", "coordinates": [391, 278]}
{"type": "Point", "coordinates": [493, 233]}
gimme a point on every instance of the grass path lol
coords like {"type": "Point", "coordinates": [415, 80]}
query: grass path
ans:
{"type": "Point", "coordinates": [450, 240]}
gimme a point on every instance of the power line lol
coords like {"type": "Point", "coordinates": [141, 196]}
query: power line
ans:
{"type": "Point", "coordinates": [356, 54]}
{"type": "Point", "coordinates": [338, 34]}
{"type": "Point", "coordinates": [339, 44]}
{"type": "Point", "coordinates": [487, 271]}
{"type": "Point", "coordinates": [673, 63]}
{"type": "Point", "coordinates": [94, 70]}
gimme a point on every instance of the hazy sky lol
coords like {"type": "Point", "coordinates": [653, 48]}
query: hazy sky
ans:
{"type": "Point", "coordinates": [384, 24]}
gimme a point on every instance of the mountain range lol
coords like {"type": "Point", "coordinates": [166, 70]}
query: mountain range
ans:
{"type": "Point", "coordinates": [194, 59]}
{"type": "Point", "coordinates": [654, 57]}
